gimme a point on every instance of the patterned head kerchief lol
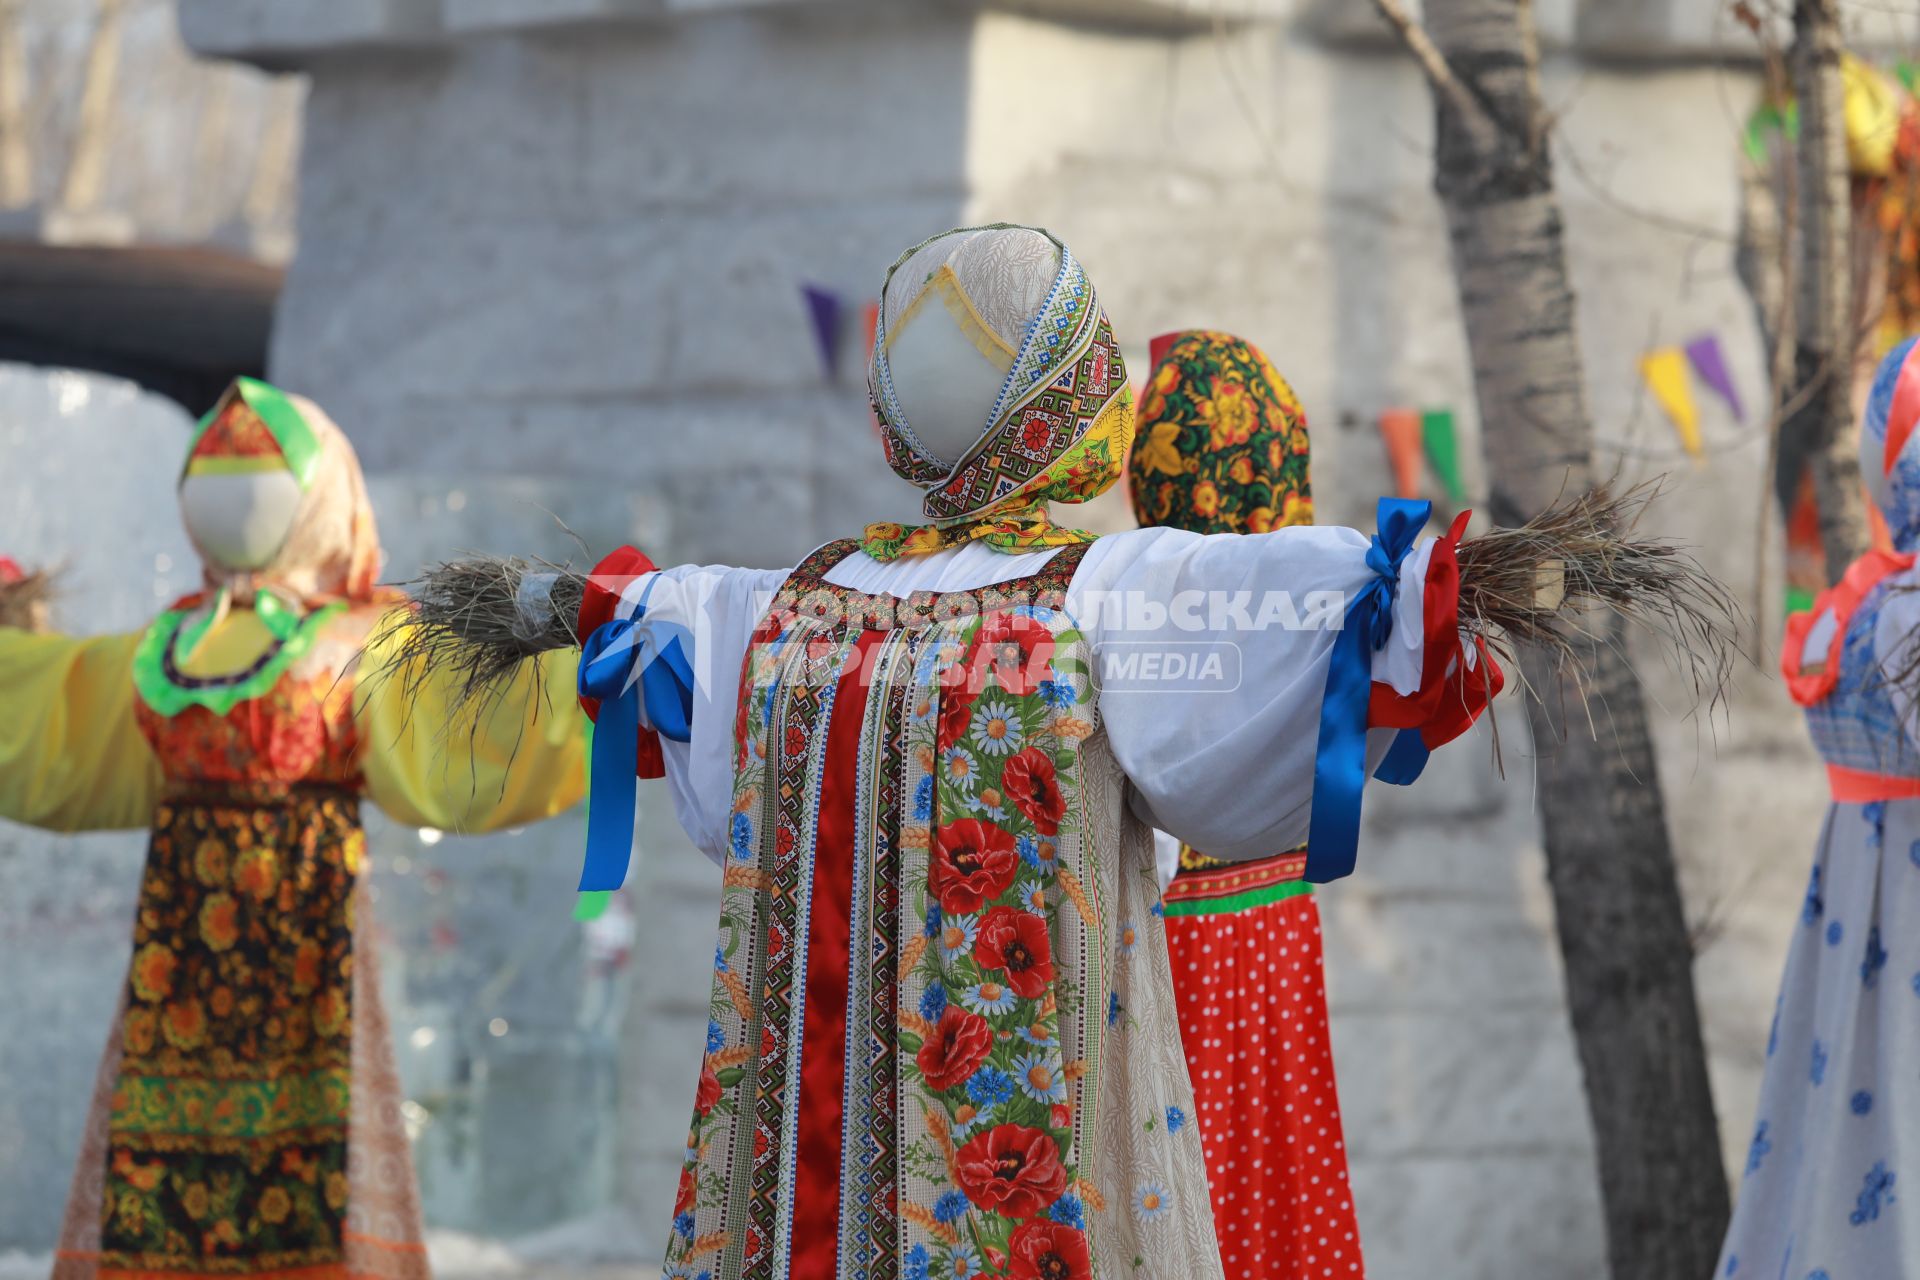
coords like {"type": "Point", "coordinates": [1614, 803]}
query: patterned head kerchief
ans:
{"type": "Point", "coordinates": [1057, 432]}
{"type": "Point", "coordinates": [1222, 444]}
{"type": "Point", "coordinates": [332, 552]}
{"type": "Point", "coordinates": [1890, 447]}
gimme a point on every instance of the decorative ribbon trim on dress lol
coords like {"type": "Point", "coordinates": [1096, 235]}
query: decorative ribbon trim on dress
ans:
{"type": "Point", "coordinates": [1858, 786]}
{"type": "Point", "coordinates": [1340, 760]}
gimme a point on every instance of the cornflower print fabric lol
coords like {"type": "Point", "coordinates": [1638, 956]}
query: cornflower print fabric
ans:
{"type": "Point", "coordinates": [1824, 1188]}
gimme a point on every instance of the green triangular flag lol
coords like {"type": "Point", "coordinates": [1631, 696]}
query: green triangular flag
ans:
{"type": "Point", "coordinates": [1766, 119]}
{"type": "Point", "coordinates": [590, 906]}
{"type": "Point", "coordinates": [1443, 451]}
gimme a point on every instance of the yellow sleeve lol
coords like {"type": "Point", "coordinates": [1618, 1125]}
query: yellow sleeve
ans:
{"type": "Point", "coordinates": [522, 758]}
{"type": "Point", "coordinates": [71, 756]}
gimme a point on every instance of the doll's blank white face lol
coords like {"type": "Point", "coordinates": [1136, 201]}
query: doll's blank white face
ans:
{"type": "Point", "coordinates": [239, 522]}
{"type": "Point", "coordinates": [957, 311]}
{"type": "Point", "coordinates": [946, 386]}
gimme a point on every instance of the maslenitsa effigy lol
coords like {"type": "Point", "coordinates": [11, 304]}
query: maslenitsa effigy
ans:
{"type": "Point", "coordinates": [943, 1037]}
{"type": "Point", "coordinates": [246, 1120]}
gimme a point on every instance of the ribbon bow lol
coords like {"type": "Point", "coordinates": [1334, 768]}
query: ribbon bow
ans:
{"type": "Point", "coordinates": [610, 658]}
{"type": "Point", "coordinates": [1340, 760]}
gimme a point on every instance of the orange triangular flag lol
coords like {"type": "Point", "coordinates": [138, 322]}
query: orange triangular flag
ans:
{"type": "Point", "coordinates": [1404, 434]}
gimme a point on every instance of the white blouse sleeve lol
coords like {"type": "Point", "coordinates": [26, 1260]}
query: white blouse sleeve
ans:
{"type": "Point", "coordinates": [714, 610]}
{"type": "Point", "coordinates": [1212, 653]}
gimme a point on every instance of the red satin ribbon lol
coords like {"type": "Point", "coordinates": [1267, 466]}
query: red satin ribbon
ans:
{"type": "Point", "coordinates": [1450, 697]}
{"type": "Point", "coordinates": [598, 604]}
{"type": "Point", "coordinates": [823, 1068]}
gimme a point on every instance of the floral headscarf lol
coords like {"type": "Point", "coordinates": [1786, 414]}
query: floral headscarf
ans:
{"type": "Point", "coordinates": [1890, 447]}
{"type": "Point", "coordinates": [1222, 446]}
{"type": "Point", "coordinates": [1058, 432]}
{"type": "Point", "coordinates": [332, 552]}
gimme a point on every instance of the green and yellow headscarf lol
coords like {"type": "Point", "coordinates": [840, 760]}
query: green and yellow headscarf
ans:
{"type": "Point", "coordinates": [1222, 442]}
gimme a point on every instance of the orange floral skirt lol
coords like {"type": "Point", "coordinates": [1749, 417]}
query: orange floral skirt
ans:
{"type": "Point", "coordinates": [246, 1121]}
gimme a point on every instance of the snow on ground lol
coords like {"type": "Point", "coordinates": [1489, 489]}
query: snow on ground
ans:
{"type": "Point", "coordinates": [603, 1247]}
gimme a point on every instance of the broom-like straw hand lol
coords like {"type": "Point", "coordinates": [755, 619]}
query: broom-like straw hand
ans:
{"type": "Point", "coordinates": [26, 599]}
{"type": "Point", "coordinates": [480, 617]}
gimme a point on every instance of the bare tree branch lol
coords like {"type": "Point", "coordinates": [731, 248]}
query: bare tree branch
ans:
{"type": "Point", "coordinates": [1434, 63]}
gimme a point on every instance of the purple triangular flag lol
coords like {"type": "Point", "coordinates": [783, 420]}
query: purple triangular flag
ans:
{"type": "Point", "coordinates": [824, 308]}
{"type": "Point", "coordinates": [1704, 354]}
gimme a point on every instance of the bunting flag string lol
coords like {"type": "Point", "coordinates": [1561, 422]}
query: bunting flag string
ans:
{"type": "Point", "coordinates": [1443, 452]}
{"type": "Point", "coordinates": [1806, 566]}
{"type": "Point", "coordinates": [1401, 430]}
{"type": "Point", "coordinates": [1768, 119]}
{"type": "Point", "coordinates": [826, 312]}
{"type": "Point", "coordinates": [1665, 372]}
{"type": "Point", "coordinates": [1711, 365]}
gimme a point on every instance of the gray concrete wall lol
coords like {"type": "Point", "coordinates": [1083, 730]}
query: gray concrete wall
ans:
{"type": "Point", "coordinates": [566, 262]}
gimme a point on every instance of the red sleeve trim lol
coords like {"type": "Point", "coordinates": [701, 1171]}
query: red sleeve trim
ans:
{"type": "Point", "coordinates": [1451, 696]}
{"type": "Point", "coordinates": [598, 605]}
{"type": "Point", "coordinates": [1809, 686]}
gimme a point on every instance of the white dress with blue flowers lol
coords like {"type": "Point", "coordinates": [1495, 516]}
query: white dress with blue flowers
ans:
{"type": "Point", "coordinates": [1826, 1193]}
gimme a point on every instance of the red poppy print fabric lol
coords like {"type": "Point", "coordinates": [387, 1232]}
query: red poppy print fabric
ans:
{"type": "Point", "coordinates": [982, 1000]}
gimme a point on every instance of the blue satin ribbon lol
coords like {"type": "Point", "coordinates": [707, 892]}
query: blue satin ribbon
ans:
{"type": "Point", "coordinates": [608, 658]}
{"type": "Point", "coordinates": [1406, 759]}
{"type": "Point", "coordinates": [1340, 759]}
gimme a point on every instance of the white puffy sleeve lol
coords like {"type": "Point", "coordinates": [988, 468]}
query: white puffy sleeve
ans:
{"type": "Point", "coordinates": [713, 610]}
{"type": "Point", "coordinates": [1213, 654]}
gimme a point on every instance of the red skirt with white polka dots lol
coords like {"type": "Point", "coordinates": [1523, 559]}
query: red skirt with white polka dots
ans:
{"type": "Point", "coordinates": [1245, 944]}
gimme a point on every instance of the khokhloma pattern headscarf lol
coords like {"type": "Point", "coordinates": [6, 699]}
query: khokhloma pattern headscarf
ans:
{"type": "Point", "coordinates": [1058, 431]}
{"type": "Point", "coordinates": [1222, 445]}
{"type": "Point", "coordinates": [1222, 448]}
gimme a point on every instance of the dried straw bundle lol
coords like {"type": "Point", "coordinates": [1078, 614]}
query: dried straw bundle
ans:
{"type": "Point", "coordinates": [25, 602]}
{"type": "Point", "coordinates": [1589, 545]}
{"type": "Point", "coordinates": [479, 618]}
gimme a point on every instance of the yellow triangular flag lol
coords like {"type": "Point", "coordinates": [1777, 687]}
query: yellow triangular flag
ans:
{"type": "Point", "coordinates": [1665, 370]}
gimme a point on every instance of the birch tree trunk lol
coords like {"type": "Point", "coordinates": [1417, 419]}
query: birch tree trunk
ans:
{"type": "Point", "coordinates": [1819, 432]}
{"type": "Point", "coordinates": [1622, 928]}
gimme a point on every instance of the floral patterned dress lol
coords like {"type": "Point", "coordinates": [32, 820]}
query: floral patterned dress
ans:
{"type": "Point", "coordinates": [930, 878]}
{"type": "Point", "coordinates": [231, 1088]}
{"type": "Point", "coordinates": [246, 1116]}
